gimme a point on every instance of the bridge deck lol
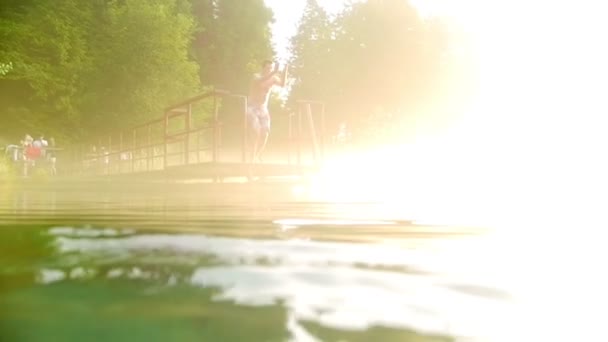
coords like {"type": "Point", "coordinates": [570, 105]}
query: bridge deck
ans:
{"type": "Point", "coordinates": [220, 170]}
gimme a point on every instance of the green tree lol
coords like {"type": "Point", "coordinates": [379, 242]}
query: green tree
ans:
{"type": "Point", "coordinates": [82, 67]}
{"type": "Point", "coordinates": [232, 40]}
{"type": "Point", "coordinates": [142, 62]}
{"type": "Point", "coordinates": [378, 61]}
{"type": "Point", "coordinates": [47, 44]}
{"type": "Point", "coordinates": [312, 49]}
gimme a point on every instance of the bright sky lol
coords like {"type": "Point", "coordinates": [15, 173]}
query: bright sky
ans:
{"type": "Point", "coordinates": [287, 15]}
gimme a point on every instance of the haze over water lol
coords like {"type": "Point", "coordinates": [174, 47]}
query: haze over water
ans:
{"type": "Point", "coordinates": [191, 262]}
{"type": "Point", "coordinates": [490, 231]}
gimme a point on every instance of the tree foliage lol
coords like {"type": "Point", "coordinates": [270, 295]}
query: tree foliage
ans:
{"type": "Point", "coordinates": [311, 50]}
{"type": "Point", "coordinates": [141, 60]}
{"type": "Point", "coordinates": [78, 68]}
{"type": "Point", "coordinates": [82, 68]}
{"type": "Point", "coordinates": [234, 37]}
{"type": "Point", "coordinates": [46, 43]}
{"type": "Point", "coordinates": [378, 57]}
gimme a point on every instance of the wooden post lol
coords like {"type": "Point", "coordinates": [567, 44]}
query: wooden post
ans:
{"type": "Point", "coordinates": [245, 143]}
{"type": "Point", "coordinates": [188, 129]}
{"type": "Point", "coordinates": [120, 152]}
{"type": "Point", "coordinates": [215, 129]}
{"type": "Point", "coordinates": [299, 141]}
{"type": "Point", "coordinates": [107, 157]}
{"type": "Point", "coordinates": [198, 147]}
{"type": "Point", "coordinates": [134, 150]}
{"type": "Point", "coordinates": [166, 130]}
{"type": "Point", "coordinates": [290, 138]}
{"type": "Point", "coordinates": [150, 150]}
{"type": "Point", "coordinates": [99, 160]}
{"type": "Point", "coordinates": [322, 132]}
{"type": "Point", "coordinates": [313, 132]}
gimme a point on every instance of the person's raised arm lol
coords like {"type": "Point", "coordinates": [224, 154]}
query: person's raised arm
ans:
{"type": "Point", "coordinates": [272, 79]}
{"type": "Point", "coordinates": [267, 80]}
{"type": "Point", "coordinates": [284, 77]}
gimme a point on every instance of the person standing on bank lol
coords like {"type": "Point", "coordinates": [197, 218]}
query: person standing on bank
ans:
{"type": "Point", "coordinates": [258, 116]}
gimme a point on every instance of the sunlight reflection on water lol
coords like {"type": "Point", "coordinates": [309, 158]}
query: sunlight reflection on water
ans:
{"type": "Point", "coordinates": [341, 265]}
{"type": "Point", "coordinates": [340, 285]}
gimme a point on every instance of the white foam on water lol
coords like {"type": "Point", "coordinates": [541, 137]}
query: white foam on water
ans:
{"type": "Point", "coordinates": [357, 299]}
{"type": "Point", "coordinates": [48, 276]}
{"type": "Point", "coordinates": [88, 232]}
{"type": "Point", "coordinates": [325, 282]}
{"type": "Point", "coordinates": [82, 273]}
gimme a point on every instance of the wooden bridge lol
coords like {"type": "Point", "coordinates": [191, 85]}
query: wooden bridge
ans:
{"type": "Point", "coordinates": [195, 140]}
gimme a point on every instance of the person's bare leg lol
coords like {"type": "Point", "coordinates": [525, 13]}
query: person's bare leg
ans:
{"type": "Point", "coordinates": [53, 166]}
{"type": "Point", "coordinates": [254, 146]}
{"type": "Point", "coordinates": [261, 144]}
{"type": "Point", "coordinates": [252, 141]}
{"type": "Point", "coordinates": [27, 167]}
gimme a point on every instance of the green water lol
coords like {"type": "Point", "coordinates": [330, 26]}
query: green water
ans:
{"type": "Point", "coordinates": [225, 263]}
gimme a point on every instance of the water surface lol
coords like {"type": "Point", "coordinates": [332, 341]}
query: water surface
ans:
{"type": "Point", "coordinates": [235, 262]}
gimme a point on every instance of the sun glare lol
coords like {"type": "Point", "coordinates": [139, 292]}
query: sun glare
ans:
{"type": "Point", "coordinates": [527, 159]}
{"type": "Point", "coordinates": [529, 130]}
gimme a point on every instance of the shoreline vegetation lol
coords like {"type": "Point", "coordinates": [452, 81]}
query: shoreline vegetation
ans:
{"type": "Point", "coordinates": [78, 70]}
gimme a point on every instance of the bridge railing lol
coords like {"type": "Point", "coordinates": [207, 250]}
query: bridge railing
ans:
{"type": "Point", "coordinates": [175, 139]}
{"type": "Point", "coordinates": [297, 137]}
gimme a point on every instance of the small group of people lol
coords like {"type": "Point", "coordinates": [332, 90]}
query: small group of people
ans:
{"type": "Point", "coordinates": [33, 152]}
